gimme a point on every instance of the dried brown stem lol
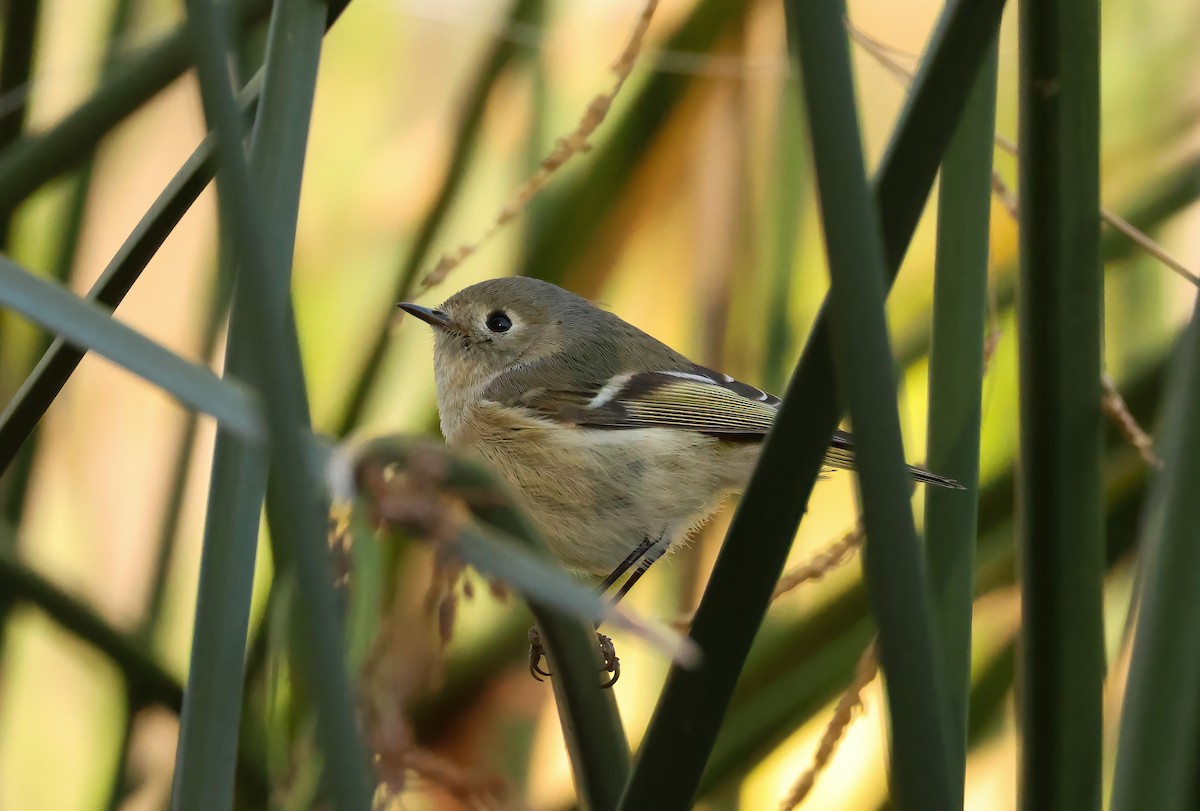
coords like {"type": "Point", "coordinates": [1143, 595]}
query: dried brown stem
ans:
{"type": "Point", "coordinates": [1115, 408]}
{"type": "Point", "coordinates": [821, 564]}
{"type": "Point", "coordinates": [843, 714]}
{"type": "Point", "coordinates": [566, 148]}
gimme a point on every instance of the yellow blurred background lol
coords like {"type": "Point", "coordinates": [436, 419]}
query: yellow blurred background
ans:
{"type": "Point", "coordinates": [688, 253]}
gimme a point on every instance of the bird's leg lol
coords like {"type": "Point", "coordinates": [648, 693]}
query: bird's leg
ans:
{"type": "Point", "coordinates": [642, 568]}
{"type": "Point", "coordinates": [612, 664]}
{"type": "Point", "coordinates": [624, 565]}
{"type": "Point", "coordinates": [648, 552]}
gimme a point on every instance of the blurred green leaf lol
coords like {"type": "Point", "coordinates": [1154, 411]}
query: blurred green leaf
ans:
{"type": "Point", "coordinates": [580, 207]}
{"type": "Point", "coordinates": [956, 364]}
{"type": "Point", "coordinates": [788, 206]}
{"type": "Point", "coordinates": [1159, 739]}
{"type": "Point", "coordinates": [1060, 338]}
{"type": "Point", "coordinates": [148, 681]}
{"type": "Point", "coordinates": [773, 711]}
{"type": "Point", "coordinates": [88, 324]}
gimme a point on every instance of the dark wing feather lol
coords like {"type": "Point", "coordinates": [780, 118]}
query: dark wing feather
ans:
{"type": "Point", "coordinates": [697, 399]}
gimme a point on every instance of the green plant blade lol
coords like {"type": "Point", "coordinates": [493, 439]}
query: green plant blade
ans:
{"type": "Point", "coordinates": [789, 204]}
{"type": "Point", "coordinates": [892, 559]}
{"type": "Point", "coordinates": [689, 712]}
{"type": "Point", "coordinates": [955, 395]}
{"type": "Point", "coordinates": [264, 238]}
{"type": "Point", "coordinates": [1160, 723]}
{"type": "Point", "coordinates": [89, 325]}
{"type": "Point", "coordinates": [1060, 337]}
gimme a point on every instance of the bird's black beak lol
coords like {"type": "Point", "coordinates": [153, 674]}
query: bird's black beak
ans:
{"type": "Point", "coordinates": [435, 318]}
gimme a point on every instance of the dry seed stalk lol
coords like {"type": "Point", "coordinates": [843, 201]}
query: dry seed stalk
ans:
{"type": "Point", "coordinates": [566, 148]}
{"type": "Point", "coordinates": [831, 557]}
{"type": "Point", "coordinates": [843, 714]}
{"type": "Point", "coordinates": [821, 564]}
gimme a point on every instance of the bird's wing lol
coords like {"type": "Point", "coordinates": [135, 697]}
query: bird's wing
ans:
{"type": "Point", "coordinates": [698, 399]}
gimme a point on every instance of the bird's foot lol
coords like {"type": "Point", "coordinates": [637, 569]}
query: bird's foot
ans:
{"type": "Point", "coordinates": [536, 652]}
{"type": "Point", "coordinates": [607, 650]}
{"type": "Point", "coordinates": [611, 663]}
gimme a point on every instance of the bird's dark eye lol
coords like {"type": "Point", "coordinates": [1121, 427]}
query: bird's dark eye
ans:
{"type": "Point", "coordinates": [498, 322]}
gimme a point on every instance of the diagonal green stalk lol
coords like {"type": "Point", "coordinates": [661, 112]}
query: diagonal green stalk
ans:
{"type": "Point", "coordinates": [1159, 739]}
{"type": "Point", "coordinates": [689, 712]}
{"type": "Point", "coordinates": [897, 584]}
{"type": "Point", "coordinates": [955, 390]}
{"type": "Point", "coordinates": [259, 211]}
{"type": "Point", "coordinates": [1060, 337]}
{"type": "Point", "coordinates": [37, 159]}
{"type": "Point", "coordinates": [90, 325]}
{"type": "Point", "coordinates": [145, 677]}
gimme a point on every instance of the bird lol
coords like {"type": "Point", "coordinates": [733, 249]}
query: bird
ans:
{"type": "Point", "coordinates": [617, 446]}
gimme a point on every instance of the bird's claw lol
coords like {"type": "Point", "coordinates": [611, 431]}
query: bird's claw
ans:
{"type": "Point", "coordinates": [607, 650]}
{"type": "Point", "coordinates": [536, 652]}
{"type": "Point", "coordinates": [611, 663]}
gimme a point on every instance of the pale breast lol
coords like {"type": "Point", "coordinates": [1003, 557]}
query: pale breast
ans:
{"type": "Point", "coordinates": [595, 494]}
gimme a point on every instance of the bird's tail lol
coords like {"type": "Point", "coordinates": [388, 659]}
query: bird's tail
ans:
{"type": "Point", "coordinates": [841, 455]}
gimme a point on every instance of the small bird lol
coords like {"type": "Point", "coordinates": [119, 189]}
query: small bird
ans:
{"type": "Point", "coordinates": [617, 446]}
